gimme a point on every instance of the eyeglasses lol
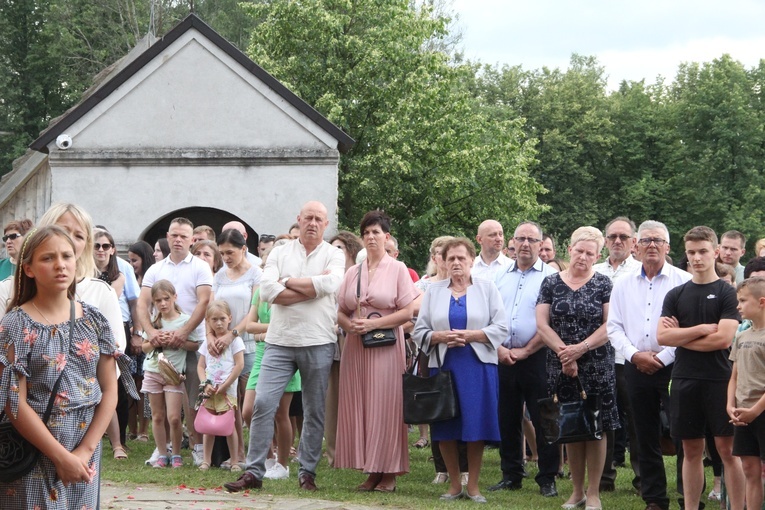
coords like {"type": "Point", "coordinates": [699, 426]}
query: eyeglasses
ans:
{"type": "Point", "coordinates": [11, 237]}
{"type": "Point", "coordinates": [267, 238]}
{"type": "Point", "coordinates": [105, 246]}
{"type": "Point", "coordinates": [646, 241]}
{"type": "Point", "coordinates": [530, 240]}
{"type": "Point", "coordinates": [622, 237]}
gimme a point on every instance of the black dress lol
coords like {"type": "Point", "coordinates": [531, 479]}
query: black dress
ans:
{"type": "Point", "coordinates": [574, 316]}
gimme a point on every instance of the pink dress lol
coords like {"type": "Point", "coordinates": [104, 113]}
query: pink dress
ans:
{"type": "Point", "coordinates": [371, 433]}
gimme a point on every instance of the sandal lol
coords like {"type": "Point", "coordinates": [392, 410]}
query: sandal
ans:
{"type": "Point", "coordinates": [422, 443]}
{"type": "Point", "coordinates": [143, 438]}
{"type": "Point", "coordinates": [119, 453]}
{"type": "Point", "coordinates": [235, 468]}
{"type": "Point", "coordinates": [204, 466]}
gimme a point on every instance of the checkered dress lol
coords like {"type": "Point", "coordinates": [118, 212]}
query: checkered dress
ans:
{"type": "Point", "coordinates": [73, 408]}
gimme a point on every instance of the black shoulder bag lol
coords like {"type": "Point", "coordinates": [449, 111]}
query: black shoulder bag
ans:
{"type": "Point", "coordinates": [571, 422]}
{"type": "Point", "coordinates": [429, 399]}
{"type": "Point", "coordinates": [376, 337]}
{"type": "Point", "coordinates": [17, 455]}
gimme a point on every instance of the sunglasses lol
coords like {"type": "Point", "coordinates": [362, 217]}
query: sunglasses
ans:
{"type": "Point", "coordinates": [105, 246]}
{"type": "Point", "coordinates": [11, 237]}
{"type": "Point", "coordinates": [267, 238]}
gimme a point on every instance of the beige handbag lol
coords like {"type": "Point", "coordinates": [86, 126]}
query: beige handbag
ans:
{"type": "Point", "coordinates": [168, 371]}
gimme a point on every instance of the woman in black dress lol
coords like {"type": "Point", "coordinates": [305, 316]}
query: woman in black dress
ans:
{"type": "Point", "coordinates": [572, 309]}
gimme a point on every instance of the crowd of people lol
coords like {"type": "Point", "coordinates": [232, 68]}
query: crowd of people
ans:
{"type": "Point", "coordinates": [197, 334]}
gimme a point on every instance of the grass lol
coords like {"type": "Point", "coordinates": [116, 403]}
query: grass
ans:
{"type": "Point", "coordinates": [414, 490]}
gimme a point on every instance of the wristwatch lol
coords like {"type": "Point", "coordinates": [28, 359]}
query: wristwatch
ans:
{"type": "Point", "coordinates": [235, 333]}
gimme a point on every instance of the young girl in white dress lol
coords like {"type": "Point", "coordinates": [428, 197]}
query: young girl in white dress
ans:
{"type": "Point", "coordinates": [219, 376]}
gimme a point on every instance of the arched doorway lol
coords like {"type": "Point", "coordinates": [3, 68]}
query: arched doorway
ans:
{"type": "Point", "coordinates": [214, 218]}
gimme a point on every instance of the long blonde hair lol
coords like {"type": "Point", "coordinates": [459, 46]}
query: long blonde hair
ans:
{"type": "Point", "coordinates": [86, 264]}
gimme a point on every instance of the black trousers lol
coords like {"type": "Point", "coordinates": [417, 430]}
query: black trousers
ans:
{"type": "Point", "coordinates": [613, 437]}
{"type": "Point", "coordinates": [526, 381]}
{"type": "Point", "coordinates": [646, 394]}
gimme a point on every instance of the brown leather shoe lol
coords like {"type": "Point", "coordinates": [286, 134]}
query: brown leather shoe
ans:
{"type": "Point", "coordinates": [246, 481]}
{"type": "Point", "coordinates": [307, 482]}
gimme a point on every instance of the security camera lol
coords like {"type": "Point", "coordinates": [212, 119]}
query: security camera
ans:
{"type": "Point", "coordinates": [63, 142]}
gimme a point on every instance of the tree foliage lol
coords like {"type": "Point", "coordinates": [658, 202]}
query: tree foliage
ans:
{"type": "Point", "coordinates": [686, 153]}
{"type": "Point", "coordinates": [441, 144]}
{"type": "Point", "coordinates": [426, 151]}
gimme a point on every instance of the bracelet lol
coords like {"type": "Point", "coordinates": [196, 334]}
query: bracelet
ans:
{"type": "Point", "coordinates": [586, 344]}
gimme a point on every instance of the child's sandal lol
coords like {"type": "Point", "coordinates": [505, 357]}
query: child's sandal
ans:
{"type": "Point", "coordinates": [204, 466]}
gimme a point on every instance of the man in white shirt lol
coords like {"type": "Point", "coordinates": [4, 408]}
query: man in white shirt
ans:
{"type": "Point", "coordinates": [300, 281]}
{"type": "Point", "coordinates": [192, 279]}
{"type": "Point", "coordinates": [491, 238]}
{"type": "Point", "coordinates": [620, 240]}
{"type": "Point", "coordinates": [633, 318]}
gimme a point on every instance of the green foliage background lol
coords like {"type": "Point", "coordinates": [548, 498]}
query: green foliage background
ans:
{"type": "Point", "coordinates": [441, 143]}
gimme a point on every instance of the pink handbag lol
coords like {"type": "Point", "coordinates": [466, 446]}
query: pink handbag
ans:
{"type": "Point", "coordinates": [214, 424]}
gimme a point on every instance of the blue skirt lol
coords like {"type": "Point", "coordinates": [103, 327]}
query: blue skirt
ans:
{"type": "Point", "coordinates": [477, 386]}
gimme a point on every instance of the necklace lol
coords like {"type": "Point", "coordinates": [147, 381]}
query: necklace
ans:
{"type": "Point", "coordinates": [571, 278]}
{"type": "Point", "coordinates": [40, 312]}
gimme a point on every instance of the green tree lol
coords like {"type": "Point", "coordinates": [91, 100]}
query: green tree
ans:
{"type": "Point", "coordinates": [426, 151]}
{"type": "Point", "coordinates": [717, 173]}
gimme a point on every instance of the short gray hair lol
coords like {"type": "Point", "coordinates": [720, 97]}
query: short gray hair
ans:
{"type": "Point", "coordinates": [653, 225]}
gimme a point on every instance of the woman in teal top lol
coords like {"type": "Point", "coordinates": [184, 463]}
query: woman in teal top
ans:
{"type": "Point", "coordinates": [257, 325]}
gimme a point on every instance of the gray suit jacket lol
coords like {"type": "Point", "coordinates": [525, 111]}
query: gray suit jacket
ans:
{"type": "Point", "coordinates": [485, 311]}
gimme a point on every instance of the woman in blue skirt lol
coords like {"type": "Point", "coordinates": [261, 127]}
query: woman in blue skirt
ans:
{"type": "Point", "coordinates": [456, 313]}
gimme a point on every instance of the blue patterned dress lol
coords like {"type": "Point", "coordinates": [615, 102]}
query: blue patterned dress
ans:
{"type": "Point", "coordinates": [74, 406]}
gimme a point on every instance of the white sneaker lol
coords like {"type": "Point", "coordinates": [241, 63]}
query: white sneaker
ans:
{"type": "Point", "coordinates": [270, 464]}
{"type": "Point", "coordinates": [198, 455]}
{"type": "Point", "coordinates": [277, 472]}
{"type": "Point", "coordinates": [154, 456]}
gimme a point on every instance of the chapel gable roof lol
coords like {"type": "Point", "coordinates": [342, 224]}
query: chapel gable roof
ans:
{"type": "Point", "coordinates": [129, 68]}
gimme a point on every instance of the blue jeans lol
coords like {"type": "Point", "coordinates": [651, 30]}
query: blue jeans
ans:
{"type": "Point", "coordinates": [277, 368]}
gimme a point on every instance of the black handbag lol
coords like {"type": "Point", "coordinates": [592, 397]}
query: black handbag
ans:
{"type": "Point", "coordinates": [376, 337]}
{"type": "Point", "coordinates": [17, 455]}
{"type": "Point", "coordinates": [571, 422]}
{"type": "Point", "coordinates": [429, 399]}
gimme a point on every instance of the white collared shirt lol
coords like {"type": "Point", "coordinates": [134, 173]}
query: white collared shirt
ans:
{"type": "Point", "coordinates": [627, 266]}
{"type": "Point", "coordinates": [186, 276]}
{"type": "Point", "coordinates": [635, 311]}
{"type": "Point", "coordinates": [489, 271]}
{"type": "Point", "coordinates": [309, 322]}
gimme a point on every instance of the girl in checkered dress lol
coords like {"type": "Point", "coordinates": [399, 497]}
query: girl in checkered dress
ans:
{"type": "Point", "coordinates": [35, 349]}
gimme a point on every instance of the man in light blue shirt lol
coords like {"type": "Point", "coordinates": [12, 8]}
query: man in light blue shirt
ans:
{"type": "Point", "coordinates": [522, 363]}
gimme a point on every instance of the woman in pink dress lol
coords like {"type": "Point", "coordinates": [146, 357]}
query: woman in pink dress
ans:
{"type": "Point", "coordinates": [371, 434]}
